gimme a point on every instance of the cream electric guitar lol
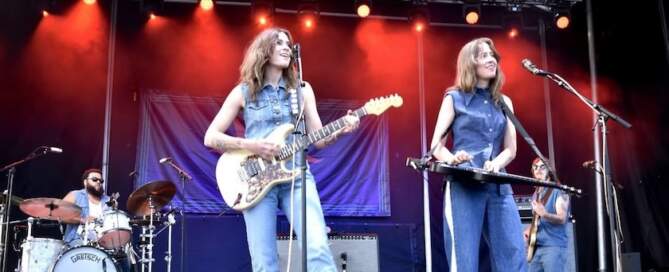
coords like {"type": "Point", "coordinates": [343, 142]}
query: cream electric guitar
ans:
{"type": "Point", "coordinates": [245, 178]}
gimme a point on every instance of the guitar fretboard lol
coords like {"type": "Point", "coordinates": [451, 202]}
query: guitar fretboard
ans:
{"type": "Point", "coordinates": [318, 135]}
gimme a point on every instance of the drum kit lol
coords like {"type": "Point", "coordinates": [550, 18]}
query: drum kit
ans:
{"type": "Point", "coordinates": [106, 241]}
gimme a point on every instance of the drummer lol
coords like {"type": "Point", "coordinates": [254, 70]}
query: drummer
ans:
{"type": "Point", "coordinates": [92, 201]}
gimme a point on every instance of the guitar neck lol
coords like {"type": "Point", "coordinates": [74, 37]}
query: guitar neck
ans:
{"type": "Point", "coordinates": [319, 134]}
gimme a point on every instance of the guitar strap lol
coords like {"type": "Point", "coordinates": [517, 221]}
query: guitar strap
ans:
{"type": "Point", "coordinates": [528, 139]}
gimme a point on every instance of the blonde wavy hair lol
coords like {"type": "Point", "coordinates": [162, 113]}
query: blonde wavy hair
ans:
{"type": "Point", "coordinates": [257, 56]}
{"type": "Point", "coordinates": [466, 78]}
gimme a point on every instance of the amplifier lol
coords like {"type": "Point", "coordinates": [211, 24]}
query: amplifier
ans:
{"type": "Point", "coordinates": [351, 252]}
{"type": "Point", "coordinates": [524, 204]}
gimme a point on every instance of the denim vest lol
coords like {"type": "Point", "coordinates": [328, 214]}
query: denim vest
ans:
{"type": "Point", "coordinates": [549, 234]}
{"type": "Point", "coordinates": [81, 200]}
{"type": "Point", "coordinates": [269, 109]}
{"type": "Point", "coordinates": [478, 128]}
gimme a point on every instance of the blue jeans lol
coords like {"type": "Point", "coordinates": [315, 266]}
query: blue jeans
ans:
{"type": "Point", "coordinates": [482, 210]}
{"type": "Point", "coordinates": [548, 259]}
{"type": "Point", "coordinates": [261, 228]}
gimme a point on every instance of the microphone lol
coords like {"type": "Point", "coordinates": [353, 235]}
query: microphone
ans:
{"type": "Point", "coordinates": [294, 106]}
{"type": "Point", "coordinates": [528, 65]}
{"type": "Point", "coordinates": [588, 164]}
{"type": "Point", "coordinates": [182, 173]}
{"type": "Point", "coordinates": [165, 160]}
{"type": "Point", "coordinates": [51, 149]}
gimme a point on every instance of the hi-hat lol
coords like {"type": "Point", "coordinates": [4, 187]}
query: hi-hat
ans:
{"type": "Point", "coordinates": [156, 193]}
{"type": "Point", "coordinates": [52, 208]}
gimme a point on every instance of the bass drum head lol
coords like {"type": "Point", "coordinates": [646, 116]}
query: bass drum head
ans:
{"type": "Point", "coordinates": [85, 258]}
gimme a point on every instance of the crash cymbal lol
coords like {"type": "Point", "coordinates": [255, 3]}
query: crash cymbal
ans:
{"type": "Point", "coordinates": [158, 193]}
{"type": "Point", "coordinates": [51, 208]}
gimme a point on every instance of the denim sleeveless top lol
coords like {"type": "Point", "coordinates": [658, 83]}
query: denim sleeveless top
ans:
{"type": "Point", "coordinates": [81, 199]}
{"type": "Point", "coordinates": [269, 109]}
{"type": "Point", "coordinates": [549, 234]}
{"type": "Point", "coordinates": [478, 128]}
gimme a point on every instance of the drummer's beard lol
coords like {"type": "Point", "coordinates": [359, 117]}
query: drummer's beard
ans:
{"type": "Point", "coordinates": [97, 193]}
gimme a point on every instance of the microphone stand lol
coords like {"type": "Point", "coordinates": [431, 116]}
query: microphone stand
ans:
{"type": "Point", "coordinates": [5, 208]}
{"type": "Point", "coordinates": [300, 132]}
{"type": "Point", "coordinates": [183, 176]}
{"type": "Point", "coordinates": [605, 192]}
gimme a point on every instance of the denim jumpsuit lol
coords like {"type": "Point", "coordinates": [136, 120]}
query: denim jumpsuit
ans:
{"type": "Point", "coordinates": [471, 210]}
{"type": "Point", "coordinates": [71, 237]}
{"type": "Point", "coordinates": [270, 109]}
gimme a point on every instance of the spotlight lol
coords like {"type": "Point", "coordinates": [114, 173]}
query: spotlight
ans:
{"type": "Point", "coordinates": [150, 8]}
{"type": "Point", "coordinates": [419, 16]}
{"type": "Point", "coordinates": [89, 2]}
{"type": "Point", "coordinates": [51, 7]}
{"type": "Point", "coordinates": [206, 4]}
{"type": "Point", "coordinates": [308, 14]}
{"type": "Point", "coordinates": [562, 19]}
{"type": "Point", "coordinates": [363, 8]}
{"type": "Point", "coordinates": [513, 24]}
{"type": "Point", "coordinates": [262, 12]}
{"type": "Point", "coordinates": [472, 13]}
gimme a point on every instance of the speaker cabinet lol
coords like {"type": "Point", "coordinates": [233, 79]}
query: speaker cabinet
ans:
{"type": "Point", "coordinates": [351, 252]}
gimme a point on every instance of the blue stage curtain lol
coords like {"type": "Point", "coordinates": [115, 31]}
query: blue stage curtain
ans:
{"type": "Point", "coordinates": [352, 174]}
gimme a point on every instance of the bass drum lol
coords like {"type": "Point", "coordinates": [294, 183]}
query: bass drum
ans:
{"type": "Point", "coordinates": [85, 258]}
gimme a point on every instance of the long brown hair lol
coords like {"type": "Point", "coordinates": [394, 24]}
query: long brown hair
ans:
{"type": "Point", "coordinates": [466, 78]}
{"type": "Point", "coordinates": [252, 70]}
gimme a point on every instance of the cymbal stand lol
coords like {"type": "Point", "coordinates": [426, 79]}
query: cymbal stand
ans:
{"type": "Point", "coordinates": [168, 254]}
{"type": "Point", "coordinates": [147, 232]}
{"type": "Point", "coordinates": [168, 225]}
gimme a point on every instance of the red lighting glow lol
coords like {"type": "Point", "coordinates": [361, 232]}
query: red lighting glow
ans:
{"type": "Point", "coordinates": [262, 20]}
{"type": "Point", "coordinates": [513, 33]}
{"type": "Point", "coordinates": [419, 26]}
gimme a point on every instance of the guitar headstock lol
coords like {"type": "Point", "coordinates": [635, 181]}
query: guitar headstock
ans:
{"type": "Point", "coordinates": [378, 105]}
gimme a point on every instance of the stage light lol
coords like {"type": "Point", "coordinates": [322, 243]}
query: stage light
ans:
{"type": "Point", "coordinates": [151, 8]}
{"type": "Point", "coordinates": [513, 32]}
{"type": "Point", "coordinates": [89, 2]}
{"type": "Point", "coordinates": [363, 8]}
{"type": "Point", "coordinates": [562, 19]}
{"type": "Point", "coordinates": [308, 14]}
{"type": "Point", "coordinates": [45, 13]}
{"type": "Point", "coordinates": [472, 13]}
{"type": "Point", "coordinates": [419, 16]}
{"type": "Point", "coordinates": [262, 12]}
{"type": "Point", "coordinates": [206, 4]}
{"type": "Point", "coordinates": [513, 25]}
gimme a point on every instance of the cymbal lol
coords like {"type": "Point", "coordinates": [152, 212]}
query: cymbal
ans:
{"type": "Point", "coordinates": [158, 193]}
{"type": "Point", "coordinates": [51, 208]}
{"type": "Point", "coordinates": [15, 199]}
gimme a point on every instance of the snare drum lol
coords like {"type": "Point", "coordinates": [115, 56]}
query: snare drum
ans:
{"type": "Point", "coordinates": [85, 258]}
{"type": "Point", "coordinates": [38, 254]}
{"type": "Point", "coordinates": [115, 231]}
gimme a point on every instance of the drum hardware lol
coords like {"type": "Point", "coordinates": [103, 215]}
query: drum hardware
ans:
{"type": "Point", "coordinates": [146, 201]}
